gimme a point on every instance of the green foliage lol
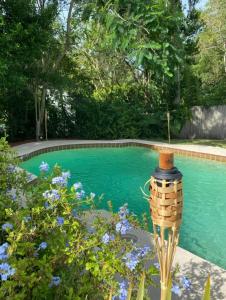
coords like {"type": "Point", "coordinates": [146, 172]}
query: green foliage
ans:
{"type": "Point", "coordinates": [55, 238]}
{"type": "Point", "coordinates": [211, 59]}
{"type": "Point", "coordinates": [10, 177]}
{"type": "Point", "coordinates": [121, 67]}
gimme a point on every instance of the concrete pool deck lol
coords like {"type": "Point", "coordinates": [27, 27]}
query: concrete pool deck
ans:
{"type": "Point", "coordinates": [191, 265]}
{"type": "Point", "coordinates": [209, 152]}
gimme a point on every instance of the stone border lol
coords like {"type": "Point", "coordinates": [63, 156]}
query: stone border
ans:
{"type": "Point", "coordinates": [75, 146]}
{"type": "Point", "coordinates": [190, 153]}
{"type": "Point", "coordinates": [104, 144]}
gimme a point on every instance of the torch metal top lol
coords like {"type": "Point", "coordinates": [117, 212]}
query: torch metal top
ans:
{"type": "Point", "coordinates": [166, 169]}
{"type": "Point", "coordinates": [166, 160]}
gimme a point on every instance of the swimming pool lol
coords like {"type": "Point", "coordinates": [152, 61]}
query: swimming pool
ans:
{"type": "Point", "coordinates": [118, 173]}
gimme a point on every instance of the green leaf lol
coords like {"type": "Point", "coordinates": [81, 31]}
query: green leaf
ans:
{"type": "Point", "coordinates": [140, 294]}
{"type": "Point", "coordinates": [206, 295]}
{"type": "Point", "coordinates": [110, 19]}
{"type": "Point", "coordinates": [152, 45]}
{"type": "Point", "coordinates": [140, 58]}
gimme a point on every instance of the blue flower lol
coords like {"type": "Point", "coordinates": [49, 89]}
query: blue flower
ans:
{"type": "Point", "coordinates": [123, 211]}
{"type": "Point", "coordinates": [133, 258]}
{"type": "Point", "coordinates": [66, 175]}
{"type": "Point", "coordinates": [107, 238]}
{"type": "Point", "coordinates": [123, 226]}
{"type": "Point", "coordinates": [77, 185]}
{"type": "Point", "coordinates": [51, 195]}
{"type": "Point", "coordinates": [44, 167]}
{"type": "Point", "coordinates": [132, 263]}
{"type": "Point", "coordinates": [46, 194]}
{"type": "Point", "coordinates": [80, 194]}
{"type": "Point", "coordinates": [7, 226]}
{"type": "Point", "coordinates": [59, 180]}
{"type": "Point", "coordinates": [47, 205]}
{"type": "Point", "coordinates": [4, 256]}
{"type": "Point", "coordinates": [176, 289]}
{"type": "Point", "coordinates": [27, 219]}
{"type": "Point", "coordinates": [30, 177]}
{"type": "Point", "coordinates": [11, 168]}
{"type": "Point", "coordinates": [60, 220]}
{"type": "Point", "coordinates": [11, 193]}
{"type": "Point", "coordinates": [123, 292]}
{"type": "Point", "coordinates": [141, 252]}
{"type": "Point", "coordinates": [91, 230]}
{"type": "Point", "coordinates": [186, 282]}
{"type": "Point", "coordinates": [157, 265]}
{"type": "Point", "coordinates": [5, 271]}
{"type": "Point", "coordinates": [13, 196]}
{"type": "Point", "coordinates": [3, 251]}
{"type": "Point", "coordinates": [42, 246]}
{"type": "Point", "coordinates": [55, 281]}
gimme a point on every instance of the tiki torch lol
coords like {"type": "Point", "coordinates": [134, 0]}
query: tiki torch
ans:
{"type": "Point", "coordinates": [166, 205]}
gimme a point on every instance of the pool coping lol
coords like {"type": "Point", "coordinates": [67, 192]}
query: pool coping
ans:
{"type": "Point", "coordinates": [28, 150]}
{"type": "Point", "coordinates": [198, 267]}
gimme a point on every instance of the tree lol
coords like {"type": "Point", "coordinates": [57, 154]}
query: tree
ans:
{"type": "Point", "coordinates": [35, 42]}
{"type": "Point", "coordinates": [211, 67]}
{"type": "Point", "coordinates": [129, 59]}
{"type": "Point", "coordinates": [50, 61]}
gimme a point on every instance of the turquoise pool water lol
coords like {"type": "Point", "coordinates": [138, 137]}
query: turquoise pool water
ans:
{"type": "Point", "coordinates": [118, 173]}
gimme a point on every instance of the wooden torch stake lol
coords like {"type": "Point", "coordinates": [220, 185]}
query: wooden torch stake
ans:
{"type": "Point", "coordinates": [166, 211]}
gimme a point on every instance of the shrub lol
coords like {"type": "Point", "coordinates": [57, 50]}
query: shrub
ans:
{"type": "Point", "coordinates": [48, 248]}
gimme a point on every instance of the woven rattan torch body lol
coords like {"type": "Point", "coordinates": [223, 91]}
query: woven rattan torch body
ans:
{"type": "Point", "coordinates": [166, 204]}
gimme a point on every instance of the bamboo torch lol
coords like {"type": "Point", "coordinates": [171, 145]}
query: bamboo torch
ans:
{"type": "Point", "coordinates": [166, 205]}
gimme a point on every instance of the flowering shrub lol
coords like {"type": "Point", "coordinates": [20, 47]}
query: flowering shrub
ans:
{"type": "Point", "coordinates": [12, 180]}
{"type": "Point", "coordinates": [47, 248]}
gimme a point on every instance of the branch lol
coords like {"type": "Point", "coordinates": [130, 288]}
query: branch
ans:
{"type": "Point", "coordinates": [41, 4]}
{"type": "Point", "coordinates": [67, 37]}
{"type": "Point", "coordinates": [132, 70]}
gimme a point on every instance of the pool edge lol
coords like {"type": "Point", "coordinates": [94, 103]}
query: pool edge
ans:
{"type": "Point", "coordinates": [33, 149]}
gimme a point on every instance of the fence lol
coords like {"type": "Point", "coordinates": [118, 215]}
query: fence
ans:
{"type": "Point", "coordinates": [206, 122]}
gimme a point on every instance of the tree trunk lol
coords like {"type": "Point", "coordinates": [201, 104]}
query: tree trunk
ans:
{"type": "Point", "coordinates": [40, 100]}
{"type": "Point", "coordinates": [178, 95]}
{"type": "Point", "coordinates": [46, 129]}
{"type": "Point", "coordinates": [37, 125]}
{"type": "Point", "coordinates": [168, 125]}
{"type": "Point", "coordinates": [39, 91]}
{"type": "Point", "coordinates": [38, 130]}
{"type": "Point", "coordinates": [225, 57]}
